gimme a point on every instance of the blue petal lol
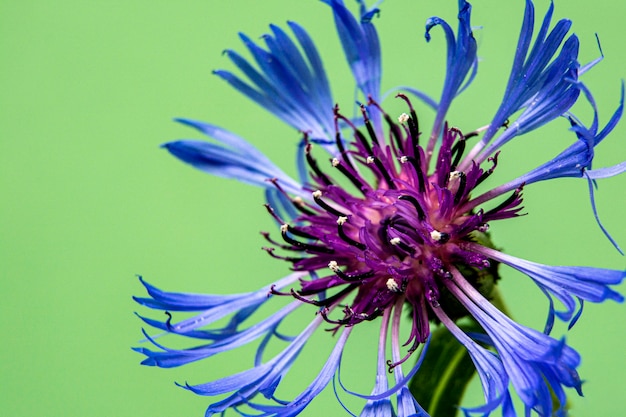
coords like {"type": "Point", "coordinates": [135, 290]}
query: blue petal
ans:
{"type": "Point", "coordinates": [566, 283]}
{"type": "Point", "coordinates": [263, 378]}
{"type": "Point", "coordinates": [319, 383]}
{"type": "Point", "coordinates": [576, 160]}
{"type": "Point", "coordinates": [597, 216]}
{"type": "Point", "coordinates": [181, 301]}
{"type": "Point", "coordinates": [360, 45]}
{"type": "Point", "coordinates": [490, 369]}
{"type": "Point", "coordinates": [168, 358]}
{"type": "Point", "coordinates": [536, 364]}
{"type": "Point", "coordinates": [295, 91]}
{"type": "Point", "coordinates": [290, 84]}
{"type": "Point", "coordinates": [320, 81]}
{"type": "Point", "coordinates": [381, 407]}
{"type": "Point", "coordinates": [540, 84]}
{"type": "Point", "coordinates": [232, 158]}
{"type": "Point", "coordinates": [607, 172]}
{"type": "Point", "coordinates": [214, 307]}
{"type": "Point", "coordinates": [461, 57]}
{"type": "Point", "coordinates": [555, 92]}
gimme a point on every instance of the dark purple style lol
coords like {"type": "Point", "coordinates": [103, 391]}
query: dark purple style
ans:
{"type": "Point", "coordinates": [388, 223]}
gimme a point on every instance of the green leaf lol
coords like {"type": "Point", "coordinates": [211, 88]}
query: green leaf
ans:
{"type": "Point", "coordinates": [445, 373]}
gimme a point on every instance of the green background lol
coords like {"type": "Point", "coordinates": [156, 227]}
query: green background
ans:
{"type": "Point", "coordinates": [87, 93]}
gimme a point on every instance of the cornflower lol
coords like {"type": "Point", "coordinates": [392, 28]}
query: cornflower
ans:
{"type": "Point", "coordinates": [395, 223]}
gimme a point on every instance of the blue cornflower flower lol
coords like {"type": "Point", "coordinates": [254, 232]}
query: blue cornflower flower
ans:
{"type": "Point", "coordinates": [404, 234]}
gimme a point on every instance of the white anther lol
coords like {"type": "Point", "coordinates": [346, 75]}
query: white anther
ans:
{"type": "Point", "coordinates": [404, 159]}
{"type": "Point", "coordinates": [333, 265]}
{"type": "Point", "coordinates": [341, 220]}
{"type": "Point", "coordinates": [284, 228]}
{"type": "Point", "coordinates": [392, 285]}
{"type": "Point", "coordinates": [369, 160]}
{"type": "Point", "coordinates": [395, 241]}
{"type": "Point", "coordinates": [403, 118]}
{"type": "Point", "coordinates": [335, 162]}
{"type": "Point", "coordinates": [363, 315]}
{"type": "Point", "coordinates": [297, 201]}
{"type": "Point", "coordinates": [436, 235]}
{"type": "Point", "coordinates": [455, 175]}
{"type": "Point", "coordinates": [317, 194]}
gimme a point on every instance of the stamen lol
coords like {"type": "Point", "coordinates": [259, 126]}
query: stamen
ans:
{"type": "Point", "coordinates": [421, 215]}
{"type": "Point", "coordinates": [391, 365]}
{"type": "Point", "coordinates": [267, 237]}
{"type": "Point", "coordinates": [327, 301]}
{"type": "Point", "coordinates": [270, 252]}
{"type": "Point", "coordinates": [353, 178]}
{"type": "Point", "coordinates": [313, 165]}
{"type": "Point", "coordinates": [300, 205]}
{"type": "Point", "coordinates": [412, 122]}
{"type": "Point", "coordinates": [403, 118]}
{"type": "Point", "coordinates": [461, 190]}
{"type": "Point", "coordinates": [333, 266]}
{"type": "Point", "coordinates": [357, 133]}
{"type": "Point", "coordinates": [439, 237]}
{"type": "Point", "coordinates": [393, 128]}
{"type": "Point", "coordinates": [369, 160]}
{"type": "Point", "coordinates": [385, 174]}
{"type": "Point", "coordinates": [368, 125]}
{"type": "Point", "coordinates": [274, 291]}
{"type": "Point", "coordinates": [272, 213]}
{"type": "Point", "coordinates": [457, 151]}
{"type": "Point", "coordinates": [506, 202]}
{"type": "Point", "coordinates": [396, 241]}
{"type": "Point", "coordinates": [417, 165]}
{"type": "Point", "coordinates": [486, 174]}
{"type": "Point", "coordinates": [354, 277]}
{"type": "Point", "coordinates": [305, 246]}
{"type": "Point", "coordinates": [339, 141]}
{"type": "Point", "coordinates": [297, 201]}
{"type": "Point", "coordinates": [317, 196]}
{"type": "Point", "coordinates": [401, 225]}
{"type": "Point", "coordinates": [299, 232]}
{"type": "Point", "coordinates": [392, 285]}
{"type": "Point", "coordinates": [348, 239]}
{"type": "Point", "coordinates": [298, 297]}
{"type": "Point", "coordinates": [341, 322]}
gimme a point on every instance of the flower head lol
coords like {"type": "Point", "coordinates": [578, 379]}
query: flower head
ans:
{"type": "Point", "coordinates": [386, 219]}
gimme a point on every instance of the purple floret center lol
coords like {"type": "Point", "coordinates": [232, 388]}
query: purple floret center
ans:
{"type": "Point", "coordinates": [392, 231]}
